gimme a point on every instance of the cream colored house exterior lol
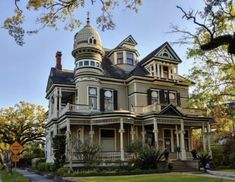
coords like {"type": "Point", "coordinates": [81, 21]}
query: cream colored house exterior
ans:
{"type": "Point", "coordinates": [112, 99]}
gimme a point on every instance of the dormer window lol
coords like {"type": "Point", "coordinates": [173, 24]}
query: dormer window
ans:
{"type": "Point", "coordinates": [129, 58]}
{"type": "Point", "coordinates": [91, 40]}
{"type": "Point", "coordinates": [120, 58]}
{"type": "Point", "coordinates": [165, 71]}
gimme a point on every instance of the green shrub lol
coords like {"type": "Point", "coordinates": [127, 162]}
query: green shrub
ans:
{"type": "Point", "coordinates": [134, 148]}
{"type": "Point", "coordinates": [232, 160]}
{"type": "Point", "coordinates": [45, 167]}
{"type": "Point", "coordinates": [218, 156]}
{"type": "Point", "coordinates": [149, 158]}
{"type": "Point", "coordinates": [63, 171]}
{"type": "Point", "coordinates": [87, 152]}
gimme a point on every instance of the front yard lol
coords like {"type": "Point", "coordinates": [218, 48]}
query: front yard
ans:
{"type": "Point", "coordinates": [166, 177]}
{"type": "Point", "coordinates": [9, 177]}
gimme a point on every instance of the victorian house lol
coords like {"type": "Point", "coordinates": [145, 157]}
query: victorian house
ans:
{"type": "Point", "coordinates": [112, 98]}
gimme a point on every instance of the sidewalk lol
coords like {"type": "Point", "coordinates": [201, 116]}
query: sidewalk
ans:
{"type": "Point", "coordinates": [222, 174]}
{"type": "Point", "coordinates": [33, 176]}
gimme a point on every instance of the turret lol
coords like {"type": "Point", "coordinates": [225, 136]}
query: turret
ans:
{"type": "Point", "coordinates": [87, 51]}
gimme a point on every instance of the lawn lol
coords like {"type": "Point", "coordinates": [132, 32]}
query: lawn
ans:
{"type": "Point", "coordinates": [167, 177]}
{"type": "Point", "coordinates": [8, 177]}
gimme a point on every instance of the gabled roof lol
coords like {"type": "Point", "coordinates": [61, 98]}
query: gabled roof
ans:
{"type": "Point", "coordinates": [60, 77]}
{"type": "Point", "coordinates": [128, 40]}
{"type": "Point", "coordinates": [164, 52]}
{"type": "Point", "coordinates": [170, 110]}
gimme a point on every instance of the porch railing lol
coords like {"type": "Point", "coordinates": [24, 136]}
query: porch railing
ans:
{"type": "Point", "coordinates": [192, 111]}
{"type": "Point", "coordinates": [146, 109]}
{"type": "Point", "coordinates": [76, 108]}
{"type": "Point", "coordinates": [83, 108]}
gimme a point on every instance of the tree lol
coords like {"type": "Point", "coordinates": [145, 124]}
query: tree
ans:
{"type": "Point", "coordinates": [59, 147]}
{"type": "Point", "coordinates": [23, 123]}
{"type": "Point", "coordinates": [57, 11]}
{"type": "Point", "coordinates": [215, 25]}
{"type": "Point", "coordinates": [213, 45]}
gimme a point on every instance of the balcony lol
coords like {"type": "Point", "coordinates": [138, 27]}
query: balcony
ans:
{"type": "Point", "coordinates": [82, 108]}
{"type": "Point", "coordinates": [86, 109]}
{"type": "Point", "coordinates": [146, 109]}
{"type": "Point", "coordinates": [192, 111]}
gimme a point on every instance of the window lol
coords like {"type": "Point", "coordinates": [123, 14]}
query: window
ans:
{"type": "Point", "coordinates": [155, 96]}
{"type": "Point", "coordinates": [80, 63]}
{"type": "Point", "coordinates": [108, 100]}
{"type": "Point", "coordinates": [92, 63]}
{"type": "Point", "coordinates": [129, 58]}
{"type": "Point", "coordinates": [107, 139]}
{"type": "Point", "coordinates": [92, 91]}
{"type": "Point", "coordinates": [86, 63]}
{"type": "Point", "coordinates": [172, 97]}
{"type": "Point", "coordinates": [167, 139]}
{"type": "Point", "coordinates": [92, 40]}
{"type": "Point", "coordinates": [120, 58]}
{"type": "Point", "coordinates": [165, 71]}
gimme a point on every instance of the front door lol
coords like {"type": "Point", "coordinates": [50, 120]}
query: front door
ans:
{"type": "Point", "coordinates": [167, 139]}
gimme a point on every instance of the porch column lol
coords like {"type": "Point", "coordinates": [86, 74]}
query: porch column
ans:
{"type": "Point", "coordinates": [121, 131]}
{"type": "Point", "coordinates": [154, 69]}
{"type": "Point", "coordinates": [209, 138]}
{"type": "Point", "coordinates": [158, 71]}
{"type": "Point", "coordinates": [162, 71]}
{"type": "Point", "coordinates": [55, 111]}
{"type": "Point", "coordinates": [91, 133]}
{"type": "Point", "coordinates": [143, 135]}
{"type": "Point", "coordinates": [177, 140]}
{"type": "Point", "coordinates": [203, 138]}
{"type": "Point", "coordinates": [155, 131]}
{"type": "Point", "coordinates": [132, 134]}
{"type": "Point", "coordinates": [68, 143]}
{"type": "Point", "coordinates": [182, 144]}
{"type": "Point", "coordinates": [60, 97]}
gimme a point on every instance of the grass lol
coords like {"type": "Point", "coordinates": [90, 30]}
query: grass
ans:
{"type": "Point", "coordinates": [173, 177]}
{"type": "Point", "coordinates": [9, 177]}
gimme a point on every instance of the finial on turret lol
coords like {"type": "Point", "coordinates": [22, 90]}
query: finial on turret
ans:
{"type": "Point", "coordinates": [88, 17]}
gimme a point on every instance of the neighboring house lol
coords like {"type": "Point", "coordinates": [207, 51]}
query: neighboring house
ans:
{"type": "Point", "coordinates": [112, 99]}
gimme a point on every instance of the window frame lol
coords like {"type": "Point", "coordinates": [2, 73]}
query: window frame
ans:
{"type": "Point", "coordinates": [129, 59]}
{"type": "Point", "coordinates": [107, 98]}
{"type": "Point", "coordinates": [92, 96]}
{"type": "Point", "coordinates": [120, 60]}
{"type": "Point", "coordinates": [153, 101]}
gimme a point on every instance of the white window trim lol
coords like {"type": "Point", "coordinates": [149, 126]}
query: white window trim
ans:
{"type": "Point", "coordinates": [98, 96]}
{"type": "Point", "coordinates": [112, 90]}
{"type": "Point", "coordinates": [158, 102]}
{"type": "Point", "coordinates": [115, 137]}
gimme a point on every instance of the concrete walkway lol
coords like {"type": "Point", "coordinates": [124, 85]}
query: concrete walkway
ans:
{"type": "Point", "coordinates": [33, 176]}
{"type": "Point", "coordinates": [219, 175]}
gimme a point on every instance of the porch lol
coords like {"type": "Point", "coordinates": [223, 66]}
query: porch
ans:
{"type": "Point", "coordinates": [113, 135]}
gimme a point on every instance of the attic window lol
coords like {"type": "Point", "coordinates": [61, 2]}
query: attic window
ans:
{"type": "Point", "coordinates": [165, 54]}
{"type": "Point", "coordinates": [120, 58]}
{"type": "Point", "coordinates": [91, 40]}
{"type": "Point", "coordinates": [129, 58]}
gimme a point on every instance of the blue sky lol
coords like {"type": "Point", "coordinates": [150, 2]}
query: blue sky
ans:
{"type": "Point", "coordinates": [24, 70]}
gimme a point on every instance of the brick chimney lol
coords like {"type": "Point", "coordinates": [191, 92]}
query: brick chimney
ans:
{"type": "Point", "coordinates": [58, 61]}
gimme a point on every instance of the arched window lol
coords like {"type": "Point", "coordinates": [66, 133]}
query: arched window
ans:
{"type": "Point", "coordinates": [91, 40]}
